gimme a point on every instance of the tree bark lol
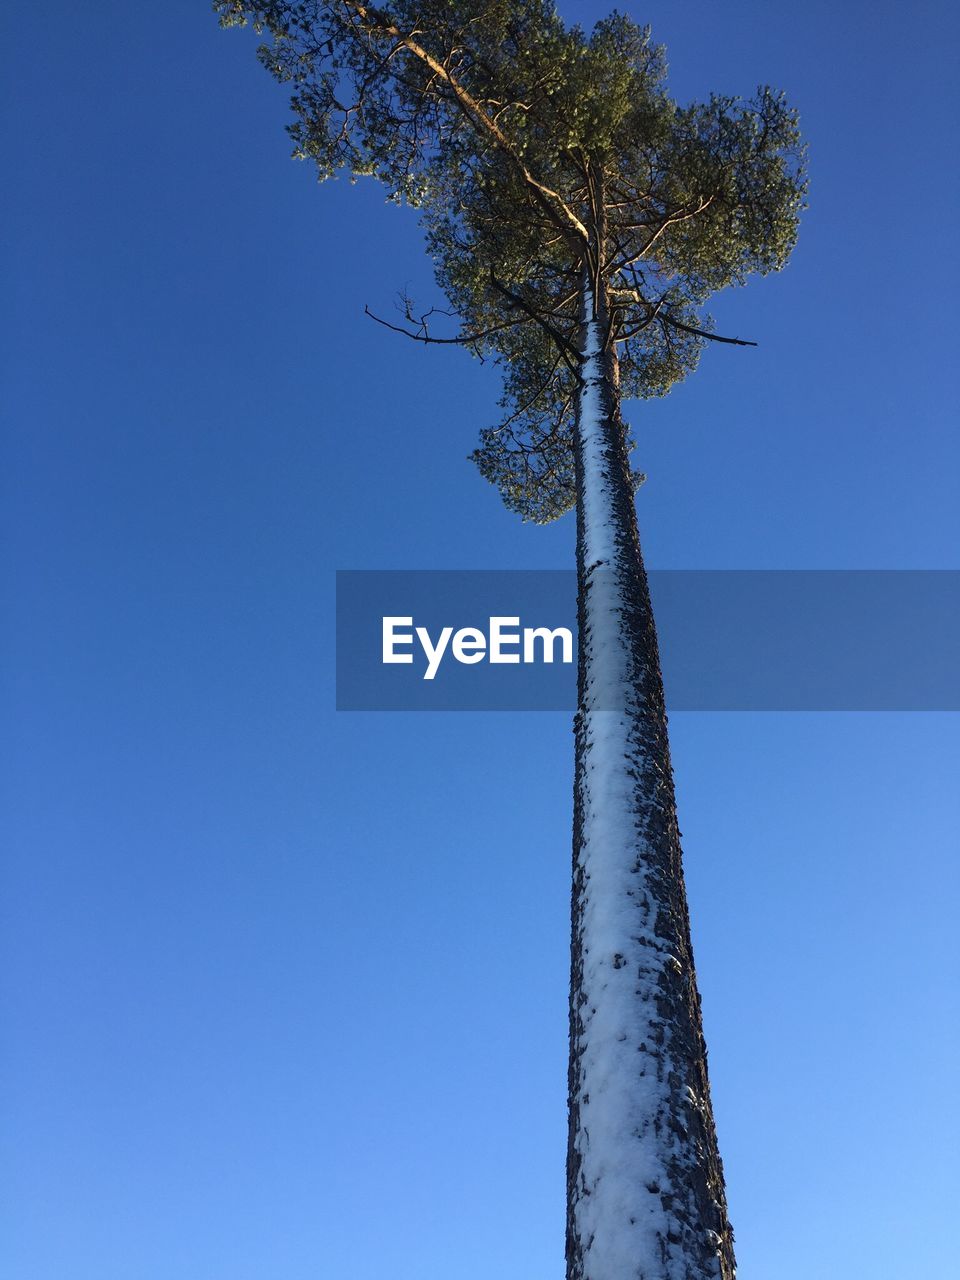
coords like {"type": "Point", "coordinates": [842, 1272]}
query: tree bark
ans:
{"type": "Point", "coordinates": [645, 1193]}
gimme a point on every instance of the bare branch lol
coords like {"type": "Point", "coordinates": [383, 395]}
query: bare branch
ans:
{"type": "Point", "coordinates": [461, 340]}
{"type": "Point", "coordinates": [703, 333]}
{"type": "Point", "coordinates": [654, 313]}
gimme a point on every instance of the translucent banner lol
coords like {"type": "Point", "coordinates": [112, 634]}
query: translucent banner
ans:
{"type": "Point", "coordinates": [730, 640]}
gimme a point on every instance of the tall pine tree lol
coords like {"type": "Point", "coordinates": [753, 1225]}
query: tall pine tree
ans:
{"type": "Point", "coordinates": [578, 220]}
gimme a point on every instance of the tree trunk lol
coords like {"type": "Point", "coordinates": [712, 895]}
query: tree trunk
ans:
{"type": "Point", "coordinates": [645, 1195]}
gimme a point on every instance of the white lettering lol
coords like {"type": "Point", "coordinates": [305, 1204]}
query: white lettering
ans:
{"type": "Point", "coordinates": [434, 655]}
{"type": "Point", "coordinates": [391, 639]}
{"type": "Point", "coordinates": [469, 645]}
{"type": "Point", "coordinates": [498, 638]}
{"type": "Point", "coordinates": [532, 634]}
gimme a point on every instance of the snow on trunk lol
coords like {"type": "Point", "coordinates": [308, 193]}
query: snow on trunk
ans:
{"type": "Point", "coordinates": [645, 1183]}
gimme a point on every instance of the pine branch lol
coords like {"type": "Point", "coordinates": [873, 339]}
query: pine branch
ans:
{"type": "Point", "coordinates": [571, 355]}
{"type": "Point", "coordinates": [551, 201]}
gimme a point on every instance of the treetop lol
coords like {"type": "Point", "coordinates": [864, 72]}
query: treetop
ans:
{"type": "Point", "coordinates": [541, 156]}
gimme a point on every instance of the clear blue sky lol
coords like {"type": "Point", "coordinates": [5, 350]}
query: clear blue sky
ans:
{"type": "Point", "coordinates": [284, 991]}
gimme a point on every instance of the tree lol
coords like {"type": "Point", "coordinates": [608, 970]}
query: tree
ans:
{"type": "Point", "coordinates": [577, 219]}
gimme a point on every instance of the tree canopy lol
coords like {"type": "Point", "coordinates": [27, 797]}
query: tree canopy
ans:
{"type": "Point", "coordinates": [542, 158]}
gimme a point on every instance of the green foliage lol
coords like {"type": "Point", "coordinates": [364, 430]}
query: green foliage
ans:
{"type": "Point", "coordinates": [539, 157]}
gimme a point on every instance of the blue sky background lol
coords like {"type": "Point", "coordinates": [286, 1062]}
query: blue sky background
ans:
{"type": "Point", "coordinates": [284, 991]}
